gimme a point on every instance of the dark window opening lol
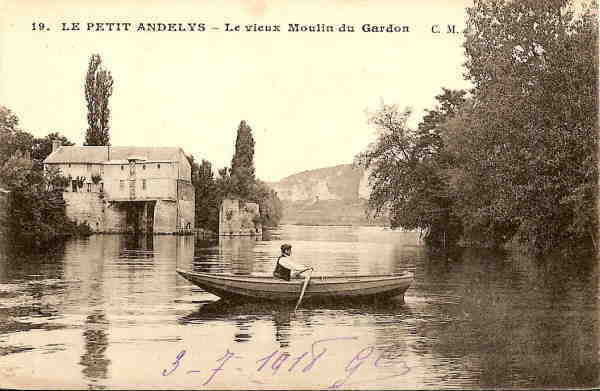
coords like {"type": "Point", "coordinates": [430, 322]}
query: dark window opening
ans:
{"type": "Point", "coordinates": [158, 166]}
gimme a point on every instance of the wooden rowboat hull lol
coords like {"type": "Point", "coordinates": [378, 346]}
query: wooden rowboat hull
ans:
{"type": "Point", "coordinates": [255, 288]}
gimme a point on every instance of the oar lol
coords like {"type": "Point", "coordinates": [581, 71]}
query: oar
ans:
{"type": "Point", "coordinates": [306, 279]}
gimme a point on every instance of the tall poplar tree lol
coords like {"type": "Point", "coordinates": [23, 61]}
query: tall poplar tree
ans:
{"type": "Point", "coordinates": [242, 163]}
{"type": "Point", "coordinates": [98, 89]}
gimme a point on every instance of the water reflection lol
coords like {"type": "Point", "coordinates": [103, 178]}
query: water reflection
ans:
{"type": "Point", "coordinates": [112, 312]}
{"type": "Point", "coordinates": [94, 361]}
{"type": "Point", "coordinates": [509, 327]}
{"type": "Point", "coordinates": [379, 317]}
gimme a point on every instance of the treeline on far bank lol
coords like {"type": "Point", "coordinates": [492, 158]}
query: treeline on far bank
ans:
{"type": "Point", "coordinates": [236, 182]}
{"type": "Point", "coordinates": [514, 159]}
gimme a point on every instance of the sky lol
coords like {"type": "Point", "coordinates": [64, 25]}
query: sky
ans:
{"type": "Point", "coordinates": [304, 94]}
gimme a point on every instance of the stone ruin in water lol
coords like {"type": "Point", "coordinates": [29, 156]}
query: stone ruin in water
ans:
{"type": "Point", "coordinates": [239, 218]}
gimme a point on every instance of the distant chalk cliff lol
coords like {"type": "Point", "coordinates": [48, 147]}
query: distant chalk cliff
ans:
{"type": "Point", "coordinates": [326, 196]}
{"type": "Point", "coordinates": [341, 182]}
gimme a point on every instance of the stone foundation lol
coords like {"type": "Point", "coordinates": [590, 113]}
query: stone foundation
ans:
{"type": "Point", "coordinates": [104, 216]}
{"type": "Point", "coordinates": [165, 216]}
{"type": "Point", "coordinates": [186, 205]}
{"type": "Point", "coordinates": [86, 208]}
{"type": "Point", "coordinates": [114, 218]}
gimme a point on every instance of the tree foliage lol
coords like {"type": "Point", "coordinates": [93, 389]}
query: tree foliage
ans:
{"type": "Point", "coordinates": [207, 197]}
{"type": "Point", "coordinates": [42, 147]}
{"type": "Point", "coordinates": [271, 208]}
{"type": "Point", "coordinates": [409, 170]}
{"type": "Point", "coordinates": [12, 138]}
{"type": "Point", "coordinates": [37, 210]}
{"type": "Point", "coordinates": [98, 89]}
{"type": "Point", "coordinates": [528, 143]}
{"type": "Point", "coordinates": [242, 164]}
{"type": "Point", "coordinates": [516, 158]}
{"type": "Point", "coordinates": [238, 182]}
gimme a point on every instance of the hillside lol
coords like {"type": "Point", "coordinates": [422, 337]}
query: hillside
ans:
{"type": "Point", "coordinates": [325, 196]}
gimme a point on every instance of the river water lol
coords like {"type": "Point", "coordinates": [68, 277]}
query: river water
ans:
{"type": "Point", "coordinates": [110, 312]}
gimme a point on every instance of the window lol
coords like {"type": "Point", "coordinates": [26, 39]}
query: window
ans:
{"type": "Point", "coordinates": [88, 167]}
{"type": "Point", "coordinates": [121, 185]}
{"type": "Point", "coordinates": [101, 187]}
{"type": "Point", "coordinates": [158, 166]}
{"type": "Point", "coordinates": [143, 166]}
{"type": "Point", "coordinates": [89, 187]}
{"type": "Point", "coordinates": [69, 165]}
{"type": "Point", "coordinates": [143, 184]}
{"type": "Point", "coordinates": [121, 167]}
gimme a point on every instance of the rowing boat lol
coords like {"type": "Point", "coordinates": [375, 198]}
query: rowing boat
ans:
{"type": "Point", "coordinates": [257, 288]}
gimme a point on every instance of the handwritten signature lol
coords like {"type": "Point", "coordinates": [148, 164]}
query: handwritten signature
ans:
{"type": "Point", "coordinates": [367, 358]}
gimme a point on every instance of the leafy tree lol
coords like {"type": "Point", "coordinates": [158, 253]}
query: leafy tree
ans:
{"type": "Point", "coordinates": [98, 89]}
{"type": "Point", "coordinates": [431, 129]}
{"type": "Point", "coordinates": [242, 163]}
{"type": "Point", "coordinates": [37, 214]}
{"type": "Point", "coordinates": [8, 120]}
{"type": "Point", "coordinates": [42, 147]}
{"type": "Point", "coordinates": [395, 170]}
{"type": "Point", "coordinates": [37, 210]}
{"type": "Point", "coordinates": [271, 208]}
{"type": "Point", "coordinates": [528, 162]}
{"type": "Point", "coordinates": [409, 170]}
{"type": "Point", "coordinates": [239, 181]}
{"type": "Point", "coordinates": [224, 185]}
{"type": "Point", "coordinates": [207, 197]}
{"type": "Point", "coordinates": [12, 138]}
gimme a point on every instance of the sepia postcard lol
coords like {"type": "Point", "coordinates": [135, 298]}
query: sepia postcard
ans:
{"type": "Point", "coordinates": [267, 194]}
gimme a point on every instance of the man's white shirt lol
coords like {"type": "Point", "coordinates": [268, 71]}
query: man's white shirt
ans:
{"type": "Point", "coordinates": [291, 265]}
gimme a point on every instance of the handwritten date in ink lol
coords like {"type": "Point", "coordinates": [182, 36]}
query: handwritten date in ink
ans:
{"type": "Point", "coordinates": [368, 359]}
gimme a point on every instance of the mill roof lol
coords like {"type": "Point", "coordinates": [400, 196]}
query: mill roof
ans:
{"type": "Point", "coordinates": [100, 154]}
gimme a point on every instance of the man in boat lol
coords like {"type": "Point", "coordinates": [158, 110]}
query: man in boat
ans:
{"type": "Point", "coordinates": [286, 269]}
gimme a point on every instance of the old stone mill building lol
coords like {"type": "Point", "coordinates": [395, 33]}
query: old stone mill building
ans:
{"type": "Point", "coordinates": [127, 189]}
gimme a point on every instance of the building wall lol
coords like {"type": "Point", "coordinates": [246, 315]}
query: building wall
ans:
{"type": "Point", "coordinates": [104, 206]}
{"type": "Point", "coordinates": [236, 218]}
{"type": "Point", "coordinates": [79, 169]}
{"type": "Point", "coordinates": [160, 180]}
{"type": "Point", "coordinates": [107, 216]}
{"type": "Point", "coordinates": [115, 218]}
{"type": "Point", "coordinates": [184, 168]}
{"type": "Point", "coordinates": [160, 177]}
{"type": "Point", "coordinates": [165, 216]}
{"type": "Point", "coordinates": [156, 188]}
{"type": "Point", "coordinates": [186, 203]}
{"type": "Point", "coordinates": [86, 208]}
{"type": "Point", "coordinates": [91, 208]}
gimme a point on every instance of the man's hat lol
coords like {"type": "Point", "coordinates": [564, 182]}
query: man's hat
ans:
{"type": "Point", "coordinates": [285, 247]}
